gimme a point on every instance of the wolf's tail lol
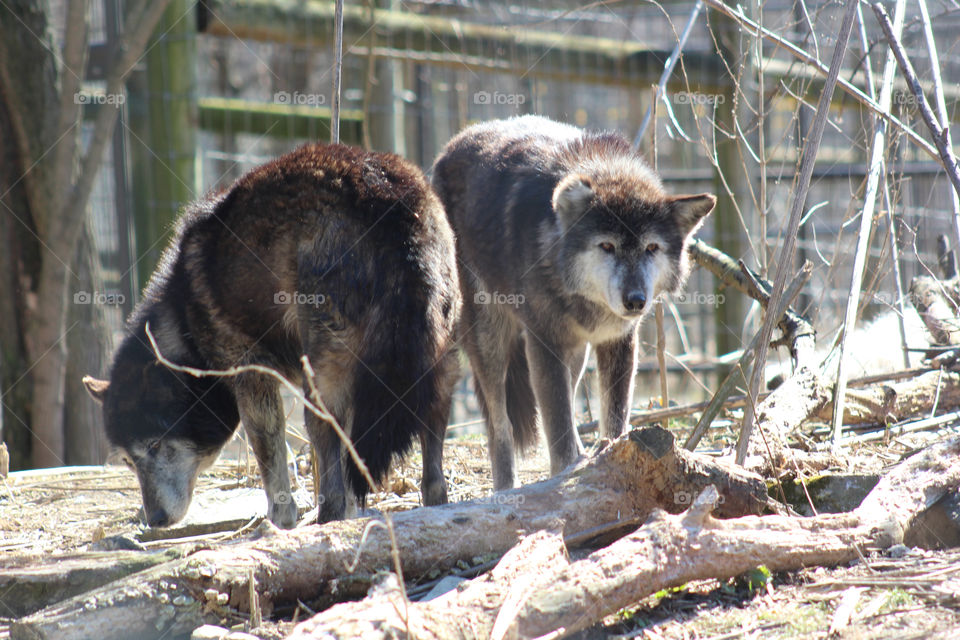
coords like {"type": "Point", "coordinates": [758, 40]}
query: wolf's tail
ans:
{"type": "Point", "coordinates": [397, 391]}
{"type": "Point", "coordinates": [521, 403]}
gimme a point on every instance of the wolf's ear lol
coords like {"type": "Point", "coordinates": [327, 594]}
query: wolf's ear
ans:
{"type": "Point", "coordinates": [572, 197]}
{"type": "Point", "coordinates": [691, 210]}
{"type": "Point", "coordinates": [97, 388]}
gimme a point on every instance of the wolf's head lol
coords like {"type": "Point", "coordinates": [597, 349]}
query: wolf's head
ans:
{"type": "Point", "coordinates": [166, 425]}
{"type": "Point", "coordinates": [622, 239]}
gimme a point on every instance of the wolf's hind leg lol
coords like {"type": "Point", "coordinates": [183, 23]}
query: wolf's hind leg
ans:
{"type": "Point", "coordinates": [433, 486]}
{"type": "Point", "coordinates": [616, 365]}
{"type": "Point", "coordinates": [336, 502]}
{"type": "Point", "coordinates": [261, 411]}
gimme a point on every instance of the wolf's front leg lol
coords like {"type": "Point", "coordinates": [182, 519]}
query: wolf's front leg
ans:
{"type": "Point", "coordinates": [616, 365]}
{"type": "Point", "coordinates": [261, 411]}
{"type": "Point", "coordinates": [553, 381]}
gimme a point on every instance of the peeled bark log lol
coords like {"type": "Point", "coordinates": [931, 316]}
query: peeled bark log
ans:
{"type": "Point", "coordinates": [28, 584]}
{"type": "Point", "coordinates": [561, 597]}
{"type": "Point", "coordinates": [803, 396]}
{"type": "Point", "coordinates": [903, 400]}
{"type": "Point", "coordinates": [481, 610]}
{"type": "Point", "coordinates": [800, 396]}
{"type": "Point", "coordinates": [935, 301]}
{"type": "Point", "coordinates": [627, 480]}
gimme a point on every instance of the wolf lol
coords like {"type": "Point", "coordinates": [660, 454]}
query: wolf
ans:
{"type": "Point", "coordinates": [564, 240]}
{"type": "Point", "coordinates": [331, 252]}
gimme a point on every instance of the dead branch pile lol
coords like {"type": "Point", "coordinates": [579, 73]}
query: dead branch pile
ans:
{"type": "Point", "coordinates": [535, 590]}
{"type": "Point", "coordinates": [623, 484]}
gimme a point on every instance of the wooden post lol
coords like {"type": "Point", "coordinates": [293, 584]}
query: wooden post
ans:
{"type": "Point", "coordinates": [163, 122]}
{"type": "Point", "coordinates": [731, 186]}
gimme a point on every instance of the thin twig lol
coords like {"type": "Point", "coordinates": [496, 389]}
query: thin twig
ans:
{"type": "Point", "coordinates": [877, 147]}
{"type": "Point", "coordinates": [888, 208]}
{"type": "Point", "coordinates": [941, 104]}
{"type": "Point", "coordinates": [667, 72]}
{"type": "Point", "coordinates": [337, 71]}
{"type": "Point", "coordinates": [785, 258]}
{"type": "Point", "coordinates": [853, 91]}
{"type": "Point", "coordinates": [941, 135]}
{"type": "Point", "coordinates": [739, 371]}
{"type": "Point", "coordinates": [315, 406]}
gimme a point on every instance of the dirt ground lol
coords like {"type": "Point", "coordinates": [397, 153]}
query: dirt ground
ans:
{"type": "Point", "coordinates": [908, 594]}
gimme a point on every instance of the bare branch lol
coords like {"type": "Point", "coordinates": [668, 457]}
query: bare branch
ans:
{"type": "Point", "coordinates": [130, 49]}
{"type": "Point", "coordinates": [785, 258]}
{"type": "Point", "coordinates": [941, 135]}
{"type": "Point", "coordinates": [809, 60]}
{"type": "Point", "coordinates": [877, 147]}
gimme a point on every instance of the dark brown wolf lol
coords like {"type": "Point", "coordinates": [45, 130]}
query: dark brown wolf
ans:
{"type": "Point", "coordinates": [329, 251]}
{"type": "Point", "coordinates": [564, 240]}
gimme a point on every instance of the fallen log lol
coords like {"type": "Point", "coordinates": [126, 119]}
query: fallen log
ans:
{"type": "Point", "coordinates": [917, 397]}
{"type": "Point", "coordinates": [865, 408]}
{"type": "Point", "coordinates": [803, 397]}
{"type": "Point", "coordinates": [560, 597]}
{"type": "Point", "coordinates": [936, 302]}
{"type": "Point", "coordinates": [480, 610]}
{"type": "Point", "coordinates": [31, 583]}
{"type": "Point", "coordinates": [800, 396]}
{"type": "Point", "coordinates": [628, 479]}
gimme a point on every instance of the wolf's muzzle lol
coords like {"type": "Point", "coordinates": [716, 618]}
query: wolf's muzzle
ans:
{"type": "Point", "coordinates": [634, 301]}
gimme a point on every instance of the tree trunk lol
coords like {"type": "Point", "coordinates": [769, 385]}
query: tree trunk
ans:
{"type": "Point", "coordinates": [17, 253]}
{"type": "Point", "coordinates": [28, 121]}
{"type": "Point", "coordinates": [47, 346]}
{"type": "Point", "coordinates": [47, 196]}
{"type": "Point", "coordinates": [88, 343]}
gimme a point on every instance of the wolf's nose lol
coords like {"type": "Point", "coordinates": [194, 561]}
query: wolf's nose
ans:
{"type": "Point", "coordinates": [634, 301]}
{"type": "Point", "coordinates": [158, 518]}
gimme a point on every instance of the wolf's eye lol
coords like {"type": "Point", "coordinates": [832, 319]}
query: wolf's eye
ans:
{"type": "Point", "coordinates": [607, 247]}
{"type": "Point", "coordinates": [653, 247]}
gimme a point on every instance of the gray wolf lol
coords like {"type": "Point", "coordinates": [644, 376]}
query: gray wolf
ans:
{"type": "Point", "coordinates": [564, 240]}
{"type": "Point", "coordinates": [329, 251]}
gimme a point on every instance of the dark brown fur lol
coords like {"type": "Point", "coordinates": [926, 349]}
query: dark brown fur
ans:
{"type": "Point", "coordinates": [328, 251]}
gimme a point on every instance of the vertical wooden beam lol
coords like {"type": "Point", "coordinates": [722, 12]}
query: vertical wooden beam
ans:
{"type": "Point", "coordinates": [727, 223]}
{"type": "Point", "coordinates": [163, 115]}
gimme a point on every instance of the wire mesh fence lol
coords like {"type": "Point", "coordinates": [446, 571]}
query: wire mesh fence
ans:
{"type": "Point", "coordinates": [232, 83]}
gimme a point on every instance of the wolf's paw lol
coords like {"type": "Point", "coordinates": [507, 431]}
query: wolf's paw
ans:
{"type": "Point", "coordinates": [283, 513]}
{"type": "Point", "coordinates": [332, 507]}
{"type": "Point", "coordinates": [434, 493]}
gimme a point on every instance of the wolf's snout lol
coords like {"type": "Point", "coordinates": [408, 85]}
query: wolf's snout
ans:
{"type": "Point", "coordinates": [158, 518]}
{"type": "Point", "coordinates": [634, 301]}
